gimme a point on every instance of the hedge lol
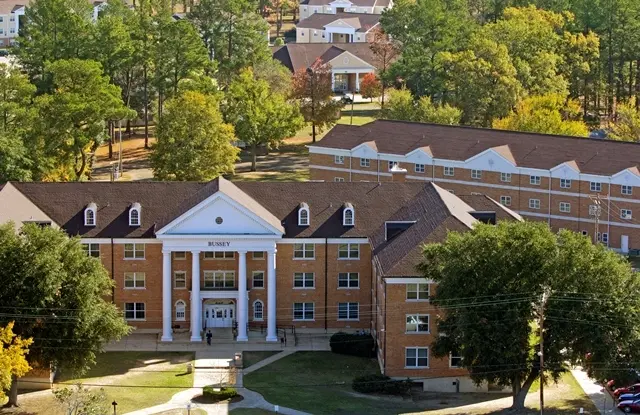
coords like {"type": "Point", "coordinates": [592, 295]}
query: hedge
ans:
{"type": "Point", "coordinates": [217, 394]}
{"type": "Point", "coordinates": [361, 345]}
{"type": "Point", "coordinates": [381, 384]}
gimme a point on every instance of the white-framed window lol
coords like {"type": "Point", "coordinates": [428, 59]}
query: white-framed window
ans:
{"type": "Point", "coordinates": [181, 310]}
{"type": "Point", "coordinates": [595, 186]}
{"type": "Point", "coordinates": [602, 237]}
{"type": "Point", "coordinates": [258, 310]}
{"type": "Point", "coordinates": [92, 250]}
{"type": "Point", "coordinates": [449, 171]}
{"type": "Point", "coordinates": [626, 190]}
{"type": "Point", "coordinates": [534, 203]}
{"type": "Point", "coordinates": [134, 311]}
{"type": "Point", "coordinates": [303, 215]}
{"type": "Point", "coordinates": [257, 278]}
{"type": "Point", "coordinates": [219, 255]}
{"type": "Point", "coordinates": [365, 162]}
{"type": "Point", "coordinates": [180, 255]}
{"type": "Point", "coordinates": [133, 251]}
{"type": "Point", "coordinates": [392, 164]}
{"type": "Point", "coordinates": [257, 255]}
{"type": "Point", "coordinates": [338, 179]}
{"type": "Point", "coordinates": [90, 215]}
{"type": "Point", "coordinates": [419, 168]}
{"type": "Point", "coordinates": [626, 214]}
{"type": "Point", "coordinates": [338, 159]}
{"type": "Point", "coordinates": [476, 174]}
{"type": "Point", "coordinates": [348, 280]}
{"type": "Point", "coordinates": [303, 280]}
{"type": "Point", "coordinates": [505, 200]}
{"type": "Point", "coordinates": [304, 251]}
{"type": "Point", "coordinates": [418, 291]}
{"type": "Point", "coordinates": [219, 279]}
{"type": "Point", "coordinates": [594, 210]}
{"type": "Point", "coordinates": [416, 357]}
{"type": "Point", "coordinates": [348, 216]}
{"type": "Point", "coordinates": [349, 251]}
{"type": "Point", "coordinates": [180, 280]}
{"type": "Point", "coordinates": [303, 311]}
{"type": "Point", "coordinates": [134, 280]}
{"type": "Point", "coordinates": [565, 183]}
{"type": "Point", "coordinates": [505, 177]}
{"type": "Point", "coordinates": [134, 215]}
{"type": "Point", "coordinates": [417, 323]}
{"type": "Point", "coordinates": [565, 207]}
{"type": "Point", "coordinates": [348, 311]}
{"type": "Point", "coordinates": [455, 360]}
{"type": "Point", "coordinates": [535, 180]}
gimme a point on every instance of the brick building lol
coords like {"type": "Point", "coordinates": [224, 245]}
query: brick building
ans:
{"type": "Point", "coordinates": [188, 256]}
{"type": "Point", "coordinates": [568, 182]}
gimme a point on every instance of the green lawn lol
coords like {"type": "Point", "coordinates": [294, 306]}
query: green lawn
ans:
{"type": "Point", "coordinates": [250, 411]}
{"type": "Point", "coordinates": [135, 380]}
{"type": "Point", "coordinates": [251, 358]}
{"type": "Point", "coordinates": [272, 176]}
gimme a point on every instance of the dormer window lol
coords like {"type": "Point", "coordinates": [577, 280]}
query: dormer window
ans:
{"type": "Point", "coordinates": [134, 215]}
{"type": "Point", "coordinates": [348, 215]}
{"type": "Point", "coordinates": [303, 215]}
{"type": "Point", "coordinates": [90, 214]}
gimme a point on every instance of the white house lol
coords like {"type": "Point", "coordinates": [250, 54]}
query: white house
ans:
{"type": "Point", "coordinates": [309, 7]}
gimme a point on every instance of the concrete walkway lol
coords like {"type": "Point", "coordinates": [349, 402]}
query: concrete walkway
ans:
{"type": "Point", "coordinates": [216, 367]}
{"type": "Point", "coordinates": [600, 397]}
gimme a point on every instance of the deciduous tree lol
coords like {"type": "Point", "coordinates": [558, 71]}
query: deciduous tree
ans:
{"type": "Point", "coordinates": [260, 116]}
{"type": "Point", "coordinates": [626, 127]}
{"type": "Point", "coordinates": [385, 52]}
{"type": "Point", "coordinates": [490, 286]}
{"type": "Point", "coordinates": [547, 114]}
{"type": "Point", "coordinates": [57, 296]}
{"type": "Point", "coordinates": [313, 90]}
{"type": "Point", "coordinates": [403, 106]}
{"type": "Point", "coordinates": [370, 86]}
{"type": "Point", "coordinates": [80, 400]}
{"type": "Point", "coordinates": [13, 357]}
{"type": "Point", "coordinates": [194, 143]}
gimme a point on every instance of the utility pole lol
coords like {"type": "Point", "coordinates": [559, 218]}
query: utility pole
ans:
{"type": "Point", "coordinates": [595, 210]}
{"type": "Point", "coordinates": [543, 304]}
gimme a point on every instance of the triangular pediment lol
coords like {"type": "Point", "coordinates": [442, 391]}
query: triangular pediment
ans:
{"type": "Point", "coordinates": [493, 159]}
{"type": "Point", "coordinates": [349, 60]}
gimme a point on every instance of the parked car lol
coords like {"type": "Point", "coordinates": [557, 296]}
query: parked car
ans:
{"type": "Point", "coordinates": [629, 397]}
{"type": "Point", "coordinates": [629, 389]}
{"type": "Point", "coordinates": [629, 406]}
{"type": "Point", "coordinates": [346, 99]}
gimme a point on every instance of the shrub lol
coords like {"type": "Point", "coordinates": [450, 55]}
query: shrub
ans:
{"type": "Point", "coordinates": [361, 345]}
{"type": "Point", "coordinates": [381, 384]}
{"type": "Point", "coordinates": [278, 42]}
{"type": "Point", "coordinates": [216, 394]}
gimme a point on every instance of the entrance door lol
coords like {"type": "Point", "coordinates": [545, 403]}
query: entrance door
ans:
{"type": "Point", "coordinates": [219, 315]}
{"type": "Point", "coordinates": [624, 244]}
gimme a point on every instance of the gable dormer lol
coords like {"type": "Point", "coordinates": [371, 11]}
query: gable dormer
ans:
{"type": "Point", "coordinates": [348, 215]}
{"type": "Point", "coordinates": [303, 214]}
{"type": "Point", "coordinates": [135, 214]}
{"type": "Point", "coordinates": [90, 214]}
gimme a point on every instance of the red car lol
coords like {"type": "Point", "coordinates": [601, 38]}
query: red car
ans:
{"type": "Point", "coordinates": [629, 389]}
{"type": "Point", "coordinates": [629, 406]}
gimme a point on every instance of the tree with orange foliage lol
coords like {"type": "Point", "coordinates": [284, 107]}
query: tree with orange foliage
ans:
{"type": "Point", "coordinates": [370, 86]}
{"type": "Point", "coordinates": [313, 90]}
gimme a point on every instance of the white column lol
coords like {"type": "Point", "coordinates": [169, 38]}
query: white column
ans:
{"type": "Point", "coordinates": [271, 296]}
{"type": "Point", "coordinates": [166, 296]}
{"type": "Point", "coordinates": [241, 313]}
{"type": "Point", "coordinates": [357, 82]}
{"type": "Point", "coordinates": [333, 81]}
{"type": "Point", "coordinates": [196, 312]}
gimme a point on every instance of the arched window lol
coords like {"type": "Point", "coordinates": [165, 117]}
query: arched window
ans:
{"type": "Point", "coordinates": [134, 215]}
{"type": "Point", "coordinates": [181, 310]}
{"type": "Point", "coordinates": [90, 215]}
{"type": "Point", "coordinates": [258, 308]}
{"type": "Point", "coordinates": [348, 215]}
{"type": "Point", "coordinates": [303, 215]}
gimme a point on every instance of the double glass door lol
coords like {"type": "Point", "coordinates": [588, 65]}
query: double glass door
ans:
{"type": "Point", "coordinates": [218, 316]}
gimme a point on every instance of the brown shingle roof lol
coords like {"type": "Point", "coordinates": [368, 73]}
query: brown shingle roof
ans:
{"type": "Point", "coordinates": [296, 56]}
{"type": "Point", "coordinates": [360, 3]}
{"type": "Point", "coordinates": [361, 21]}
{"type": "Point", "coordinates": [433, 210]}
{"type": "Point", "coordinates": [542, 151]}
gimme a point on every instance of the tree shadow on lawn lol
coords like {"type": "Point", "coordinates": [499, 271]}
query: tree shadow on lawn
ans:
{"type": "Point", "coordinates": [120, 363]}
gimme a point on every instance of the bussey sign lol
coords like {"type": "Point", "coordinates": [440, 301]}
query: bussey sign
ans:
{"type": "Point", "coordinates": [219, 243]}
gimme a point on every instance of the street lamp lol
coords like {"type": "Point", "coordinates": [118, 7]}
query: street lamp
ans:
{"type": "Point", "coordinates": [114, 403]}
{"type": "Point", "coordinates": [313, 104]}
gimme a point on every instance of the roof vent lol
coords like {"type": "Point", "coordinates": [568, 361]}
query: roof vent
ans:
{"type": "Point", "coordinates": [398, 174]}
{"type": "Point", "coordinates": [393, 229]}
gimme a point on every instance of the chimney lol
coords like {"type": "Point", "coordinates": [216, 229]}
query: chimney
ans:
{"type": "Point", "coordinates": [398, 174]}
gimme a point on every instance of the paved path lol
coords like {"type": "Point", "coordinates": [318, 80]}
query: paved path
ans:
{"type": "Point", "coordinates": [216, 367]}
{"type": "Point", "coordinates": [601, 398]}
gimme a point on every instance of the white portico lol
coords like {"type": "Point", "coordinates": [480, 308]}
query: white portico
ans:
{"type": "Point", "coordinates": [226, 221]}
